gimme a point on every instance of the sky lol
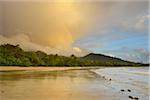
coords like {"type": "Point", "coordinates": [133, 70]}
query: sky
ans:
{"type": "Point", "coordinates": [117, 28]}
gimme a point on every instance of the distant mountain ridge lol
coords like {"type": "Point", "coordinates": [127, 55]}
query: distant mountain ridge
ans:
{"type": "Point", "coordinates": [96, 57]}
{"type": "Point", "coordinates": [13, 55]}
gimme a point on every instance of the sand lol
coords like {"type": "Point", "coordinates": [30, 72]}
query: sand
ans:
{"type": "Point", "coordinates": [35, 68]}
{"type": "Point", "coordinates": [73, 83]}
{"type": "Point", "coordinates": [130, 81]}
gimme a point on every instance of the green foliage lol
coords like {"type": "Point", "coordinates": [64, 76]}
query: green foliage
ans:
{"type": "Point", "coordinates": [14, 55]}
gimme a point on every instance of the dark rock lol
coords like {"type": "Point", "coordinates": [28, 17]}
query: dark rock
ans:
{"type": "Point", "coordinates": [110, 79]}
{"type": "Point", "coordinates": [136, 98]}
{"type": "Point", "coordinates": [129, 90]}
{"type": "Point", "coordinates": [103, 77]}
{"type": "Point", "coordinates": [122, 90]}
{"type": "Point", "coordinates": [131, 97]}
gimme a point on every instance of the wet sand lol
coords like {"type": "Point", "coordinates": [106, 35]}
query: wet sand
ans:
{"type": "Point", "coordinates": [131, 81]}
{"type": "Point", "coordinates": [17, 68]}
{"type": "Point", "coordinates": [62, 84]}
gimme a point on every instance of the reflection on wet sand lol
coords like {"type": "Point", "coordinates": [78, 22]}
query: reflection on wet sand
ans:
{"type": "Point", "coordinates": [64, 85]}
{"type": "Point", "coordinates": [56, 85]}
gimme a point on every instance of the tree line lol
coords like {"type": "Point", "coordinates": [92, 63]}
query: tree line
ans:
{"type": "Point", "coordinates": [13, 55]}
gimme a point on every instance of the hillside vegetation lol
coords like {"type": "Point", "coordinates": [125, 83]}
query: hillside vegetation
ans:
{"type": "Point", "coordinates": [13, 55]}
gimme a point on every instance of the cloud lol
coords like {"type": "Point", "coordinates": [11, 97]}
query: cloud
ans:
{"type": "Point", "coordinates": [73, 27]}
{"type": "Point", "coordinates": [50, 27]}
{"type": "Point", "coordinates": [142, 22]}
{"type": "Point", "coordinates": [48, 24]}
{"type": "Point", "coordinates": [137, 55]}
{"type": "Point", "coordinates": [139, 24]}
{"type": "Point", "coordinates": [117, 20]}
{"type": "Point", "coordinates": [130, 54]}
{"type": "Point", "coordinates": [77, 49]}
{"type": "Point", "coordinates": [24, 41]}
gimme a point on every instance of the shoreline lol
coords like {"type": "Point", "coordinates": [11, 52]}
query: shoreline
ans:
{"type": "Point", "coordinates": [56, 68]}
{"type": "Point", "coordinates": [131, 82]}
{"type": "Point", "coordinates": [42, 69]}
{"type": "Point", "coordinates": [89, 79]}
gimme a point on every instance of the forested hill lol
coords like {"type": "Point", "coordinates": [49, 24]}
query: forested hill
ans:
{"type": "Point", "coordinates": [103, 58]}
{"type": "Point", "coordinates": [13, 55]}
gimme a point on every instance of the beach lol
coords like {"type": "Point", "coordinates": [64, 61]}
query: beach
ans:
{"type": "Point", "coordinates": [40, 68]}
{"type": "Point", "coordinates": [130, 81]}
{"type": "Point", "coordinates": [72, 83]}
